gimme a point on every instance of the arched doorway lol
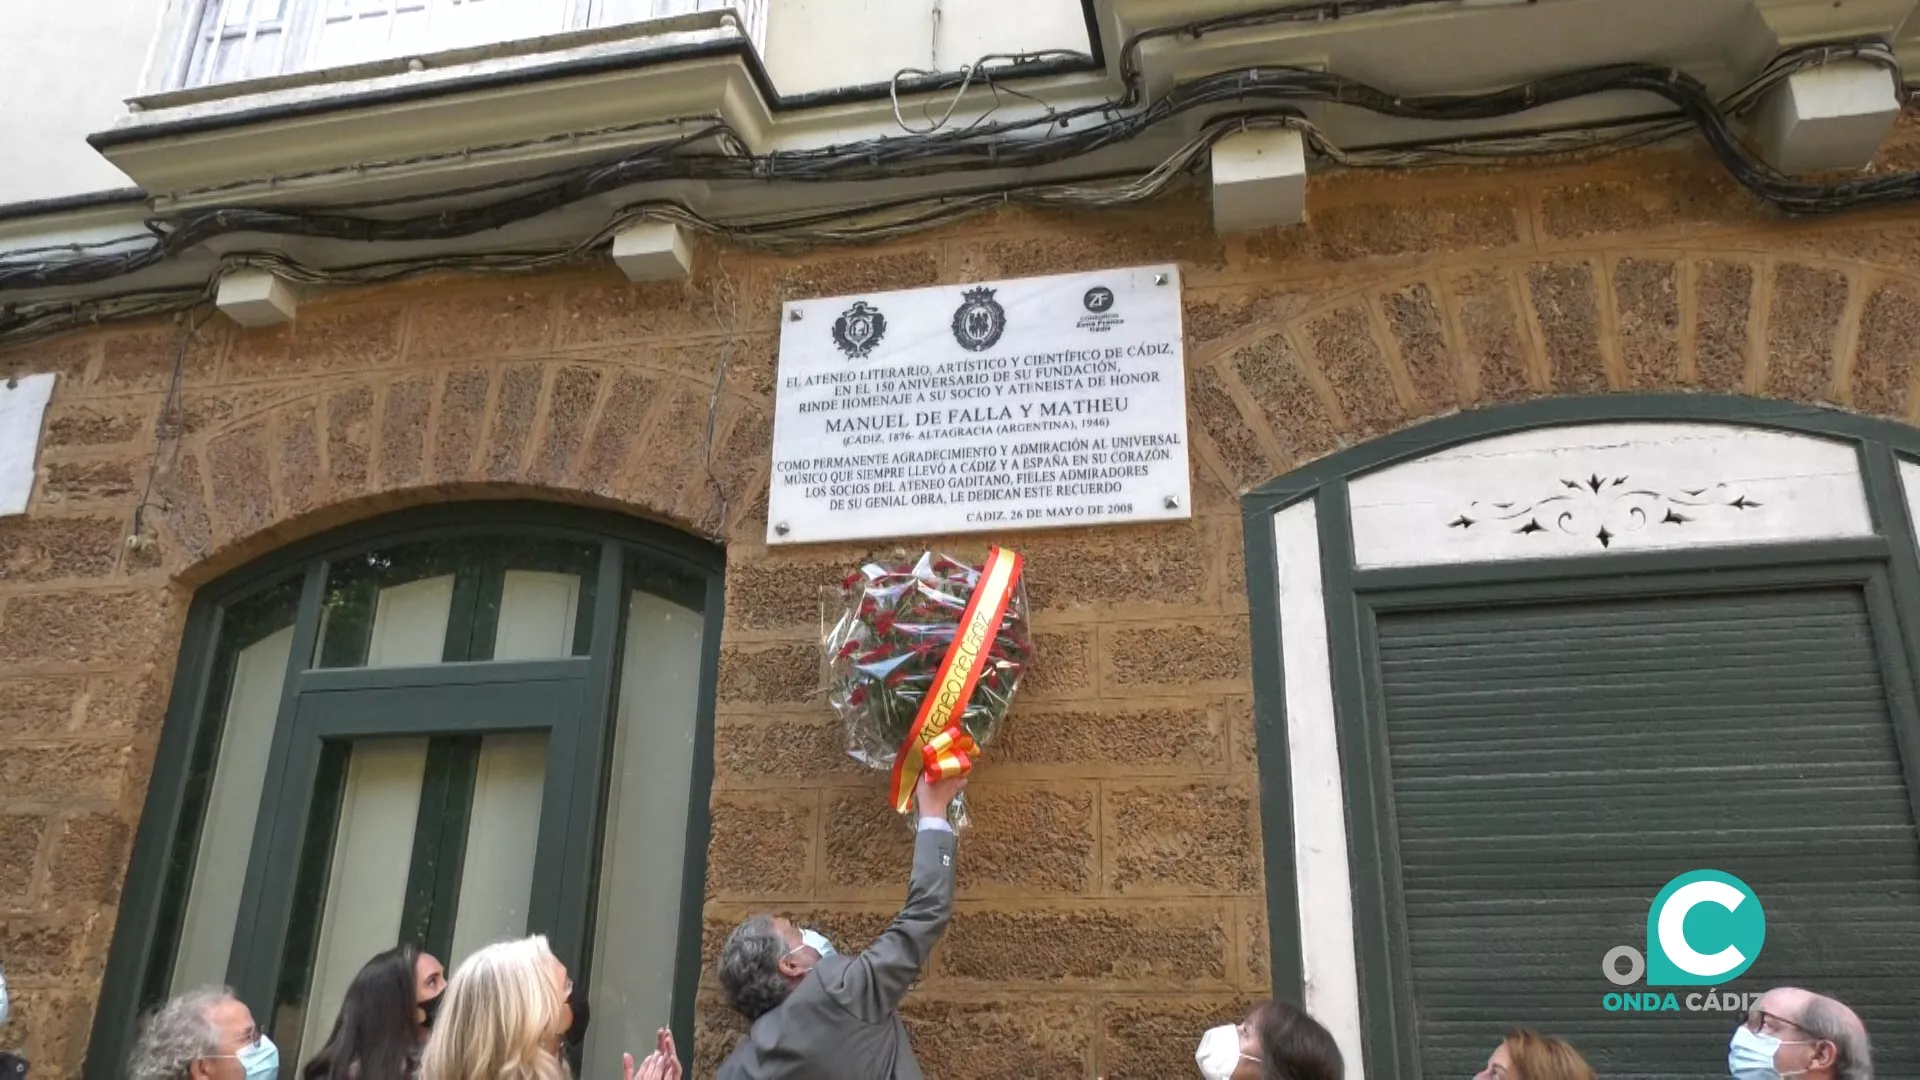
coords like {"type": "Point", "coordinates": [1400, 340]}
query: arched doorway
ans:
{"type": "Point", "coordinates": [1517, 669]}
{"type": "Point", "coordinates": [447, 726]}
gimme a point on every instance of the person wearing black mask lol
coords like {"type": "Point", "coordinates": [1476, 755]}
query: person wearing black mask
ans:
{"type": "Point", "coordinates": [384, 1020]}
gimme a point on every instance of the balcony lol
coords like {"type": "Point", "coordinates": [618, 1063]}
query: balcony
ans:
{"type": "Point", "coordinates": [225, 42]}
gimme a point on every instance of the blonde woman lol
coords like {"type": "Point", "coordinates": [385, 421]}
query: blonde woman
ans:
{"type": "Point", "coordinates": [505, 1016]}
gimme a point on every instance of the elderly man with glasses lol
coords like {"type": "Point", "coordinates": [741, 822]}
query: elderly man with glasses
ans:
{"type": "Point", "coordinates": [1798, 1033]}
{"type": "Point", "coordinates": [205, 1034]}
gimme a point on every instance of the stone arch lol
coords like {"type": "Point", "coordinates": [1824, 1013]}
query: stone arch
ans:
{"type": "Point", "coordinates": [255, 467]}
{"type": "Point", "coordinates": [1282, 375]}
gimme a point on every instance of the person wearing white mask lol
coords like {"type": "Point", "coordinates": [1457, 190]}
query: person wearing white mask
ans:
{"type": "Point", "coordinates": [1793, 1034]}
{"type": "Point", "coordinates": [205, 1034]}
{"type": "Point", "coordinates": [819, 1014]}
{"type": "Point", "coordinates": [1277, 1041]}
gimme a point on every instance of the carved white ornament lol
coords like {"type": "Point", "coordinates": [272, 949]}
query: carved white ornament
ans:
{"type": "Point", "coordinates": [1596, 489]}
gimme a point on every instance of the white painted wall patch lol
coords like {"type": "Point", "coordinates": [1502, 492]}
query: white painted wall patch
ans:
{"type": "Point", "coordinates": [1591, 489]}
{"type": "Point", "coordinates": [23, 406]}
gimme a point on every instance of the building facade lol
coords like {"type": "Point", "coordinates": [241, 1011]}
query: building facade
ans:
{"type": "Point", "coordinates": [1550, 537]}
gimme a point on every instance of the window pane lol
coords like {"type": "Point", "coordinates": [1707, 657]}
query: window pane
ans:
{"type": "Point", "coordinates": [367, 879]}
{"type": "Point", "coordinates": [230, 769]}
{"type": "Point", "coordinates": [504, 828]}
{"type": "Point", "coordinates": [508, 598]}
{"type": "Point", "coordinates": [638, 928]}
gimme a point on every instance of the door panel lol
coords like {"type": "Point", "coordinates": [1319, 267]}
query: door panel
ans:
{"type": "Point", "coordinates": [1553, 765]}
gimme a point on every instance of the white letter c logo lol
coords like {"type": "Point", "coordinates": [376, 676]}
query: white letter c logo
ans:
{"type": "Point", "coordinates": [1673, 937]}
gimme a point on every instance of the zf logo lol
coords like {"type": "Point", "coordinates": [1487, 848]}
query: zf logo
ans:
{"type": "Point", "coordinates": [1704, 928]}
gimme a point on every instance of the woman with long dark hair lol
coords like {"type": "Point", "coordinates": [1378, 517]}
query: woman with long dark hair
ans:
{"type": "Point", "coordinates": [389, 1008]}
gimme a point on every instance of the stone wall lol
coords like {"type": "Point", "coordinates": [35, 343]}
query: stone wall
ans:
{"type": "Point", "coordinates": [1111, 894]}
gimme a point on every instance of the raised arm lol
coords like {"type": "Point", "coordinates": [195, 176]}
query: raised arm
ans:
{"type": "Point", "coordinates": [877, 979]}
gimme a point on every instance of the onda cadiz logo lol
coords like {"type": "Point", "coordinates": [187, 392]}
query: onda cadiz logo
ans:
{"type": "Point", "coordinates": [1704, 928]}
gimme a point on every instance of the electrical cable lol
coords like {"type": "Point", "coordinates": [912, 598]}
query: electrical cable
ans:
{"type": "Point", "coordinates": [1229, 100]}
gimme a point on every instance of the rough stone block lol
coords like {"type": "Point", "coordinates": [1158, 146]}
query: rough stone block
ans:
{"type": "Point", "coordinates": [1566, 302]}
{"type": "Point", "coordinates": [1104, 568]}
{"type": "Point", "coordinates": [1723, 303]}
{"type": "Point", "coordinates": [63, 773]}
{"type": "Point", "coordinates": [34, 549]}
{"type": "Point", "coordinates": [89, 627]}
{"type": "Point", "coordinates": [1212, 656]}
{"type": "Point", "coordinates": [491, 323]}
{"type": "Point", "coordinates": [622, 421]}
{"type": "Point", "coordinates": [1063, 666]}
{"type": "Point", "coordinates": [1889, 343]}
{"type": "Point", "coordinates": [1492, 328]}
{"type": "Point", "coordinates": [1355, 366]}
{"type": "Point", "coordinates": [575, 390]}
{"type": "Point", "coordinates": [239, 466]}
{"type": "Point", "coordinates": [848, 274]}
{"type": "Point", "coordinates": [1152, 1037]}
{"type": "Point", "coordinates": [1159, 947]}
{"type": "Point", "coordinates": [675, 452]}
{"type": "Point", "coordinates": [69, 358]}
{"type": "Point", "coordinates": [99, 423]}
{"type": "Point", "coordinates": [349, 440]}
{"type": "Point", "coordinates": [1647, 298]}
{"type": "Point", "coordinates": [619, 310]}
{"type": "Point", "coordinates": [1419, 329]}
{"type": "Point", "coordinates": [117, 480]}
{"type": "Point", "coordinates": [20, 837]}
{"type": "Point", "coordinates": [1257, 948]}
{"type": "Point", "coordinates": [1182, 838]}
{"type": "Point", "coordinates": [513, 416]}
{"type": "Point", "coordinates": [1455, 223]}
{"type": "Point", "coordinates": [145, 359]}
{"type": "Point", "coordinates": [1212, 410]}
{"type": "Point", "coordinates": [463, 403]}
{"type": "Point", "coordinates": [782, 590]}
{"type": "Point", "coordinates": [1110, 740]}
{"type": "Point", "coordinates": [298, 435]}
{"type": "Point", "coordinates": [770, 675]}
{"type": "Point", "coordinates": [1274, 374]}
{"type": "Point", "coordinates": [762, 846]}
{"type": "Point", "coordinates": [992, 1040]}
{"type": "Point", "coordinates": [89, 859]}
{"type": "Point", "coordinates": [133, 701]}
{"type": "Point", "coordinates": [1065, 241]}
{"type": "Point", "coordinates": [1808, 303]}
{"type": "Point", "coordinates": [1656, 199]}
{"type": "Point", "coordinates": [403, 431]}
{"type": "Point", "coordinates": [1028, 841]}
{"type": "Point", "coordinates": [184, 505]}
{"type": "Point", "coordinates": [864, 846]}
{"type": "Point", "coordinates": [37, 706]}
{"type": "Point", "coordinates": [39, 950]}
{"type": "Point", "coordinates": [793, 750]}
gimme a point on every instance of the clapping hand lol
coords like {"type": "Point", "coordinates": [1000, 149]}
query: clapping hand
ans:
{"type": "Point", "coordinates": [662, 1064]}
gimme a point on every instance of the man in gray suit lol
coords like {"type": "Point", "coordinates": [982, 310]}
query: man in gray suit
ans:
{"type": "Point", "coordinates": [820, 1015]}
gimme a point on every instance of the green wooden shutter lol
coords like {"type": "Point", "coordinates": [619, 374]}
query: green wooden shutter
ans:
{"type": "Point", "coordinates": [1553, 765]}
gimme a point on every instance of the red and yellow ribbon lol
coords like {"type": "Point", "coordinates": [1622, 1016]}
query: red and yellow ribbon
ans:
{"type": "Point", "coordinates": [936, 744]}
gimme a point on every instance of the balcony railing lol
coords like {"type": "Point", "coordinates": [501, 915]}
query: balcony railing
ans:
{"type": "Point", "coordinates": [237, 40]}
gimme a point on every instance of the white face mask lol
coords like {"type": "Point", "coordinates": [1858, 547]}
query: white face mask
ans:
{"type": "Point", "coordinates": [1219, 1052]}
{"type": "Point", "coordinates": [1750, 1055]}
{"type": "Point", "coordinates": [816, 941]}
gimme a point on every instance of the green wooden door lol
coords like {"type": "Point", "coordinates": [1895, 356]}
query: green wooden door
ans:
{"type": "Point", "coordinates": [1552, 764]}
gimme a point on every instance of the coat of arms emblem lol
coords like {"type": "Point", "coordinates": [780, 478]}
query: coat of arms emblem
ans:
{"type": "Point", "coordinates": [859, 329]}
{"type": "Point", "coordinates": [980, 321]}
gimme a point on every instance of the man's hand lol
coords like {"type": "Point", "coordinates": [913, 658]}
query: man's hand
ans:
{"type": "Point", "coordinates": [662, 1064]}
{"type": "Point", "coordinates": [934, 796]}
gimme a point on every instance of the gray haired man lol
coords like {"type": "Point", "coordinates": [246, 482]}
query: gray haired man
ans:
{"type": "Point", "coordinates": [1798, 1033]}
{"type": "Point", "coordinates": [821, 1015]}
{"type": "Point", "coordinates": [205, 1034]}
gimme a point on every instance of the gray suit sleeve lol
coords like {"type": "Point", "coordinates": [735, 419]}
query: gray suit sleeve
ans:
{"type": "Point", "coordinates": [878, 978]}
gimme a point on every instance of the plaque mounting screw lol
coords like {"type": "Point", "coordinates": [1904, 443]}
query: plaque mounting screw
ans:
{"type": "Point", "coordinates": [1159, 279]}
{"type": "Point", "coordinates": [1173, 502]}
{"type": "Point", "coordinates": [795, 315]}
{"type": "Point", "coordinates": [782, 528]}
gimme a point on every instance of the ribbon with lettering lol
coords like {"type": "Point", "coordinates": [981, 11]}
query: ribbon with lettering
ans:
{"type": "Point", "coordinates": [923, 661]}
{"type": "Point", "coordinates": [936, 744]}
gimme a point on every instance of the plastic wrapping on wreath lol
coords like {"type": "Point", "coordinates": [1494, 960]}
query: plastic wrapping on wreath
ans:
{"type": "Point", "coordinates": [886, 632]}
